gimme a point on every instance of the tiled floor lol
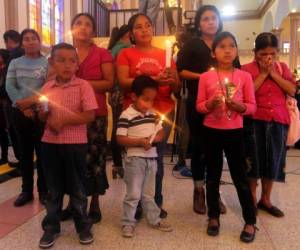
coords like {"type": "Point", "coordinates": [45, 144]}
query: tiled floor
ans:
{"type": "Point", "coordinates": [20, 227]}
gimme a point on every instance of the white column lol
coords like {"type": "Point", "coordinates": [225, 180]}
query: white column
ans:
{"type": "Point", "coordinates": [67, 21]}
{"type": "Point", "coordinates": [294, 45]}
{"type": "Point", "coordinates": [2, 22]}
{"type": "Point", "coordinates": [23, 15]}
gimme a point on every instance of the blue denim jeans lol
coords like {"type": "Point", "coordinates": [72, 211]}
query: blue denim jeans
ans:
{"type": "Point", "coordinates": [139, 177]}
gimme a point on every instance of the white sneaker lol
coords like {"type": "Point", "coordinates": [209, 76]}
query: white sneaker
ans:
{"type": "Point", "coordinates": [128, 231]}
{"type": "Point", "coordinates": [163, 226]}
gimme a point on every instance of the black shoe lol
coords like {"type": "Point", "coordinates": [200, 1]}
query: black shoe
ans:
{"type": "Point", "coordinates": [86, 237]}
{"type": "Point", "coordinates": [95, 216]}
{"type": "Point", "coordinates": [3, 161]}
{"type": "Point", "coordinates": [163, 214]}
{"type": "Point", "coordinates": [139, 212]}
{"type": "Point", "coordinates": [23, 198]}
{"type": "Point", "coordinates": [213, 230]}
{"type": "Point", "coordinates": [66, 214]}
{"type": "Point", "coordinates": [248, 237]}
{"type": "Point", "coordinates": [14, 164]}
{"type": "Point", "coordinates": [43, 198]}
{"type": "Point", "coordinates": [275, 211]}
{"type": "Point", "coordinates": [48, 239]}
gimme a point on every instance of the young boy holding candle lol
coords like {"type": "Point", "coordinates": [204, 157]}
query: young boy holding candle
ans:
{"type": "Point", "coordinates": [136, 128]}
{"type": "Point", "coordinates": [67, 104]}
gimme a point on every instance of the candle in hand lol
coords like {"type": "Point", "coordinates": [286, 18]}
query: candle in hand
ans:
{"type": "Point", "coordinates": [44, 101]}
{"type": "Point", "coordinates": [157, 128]}
{"type": "Point", "coordinates": [168, 53]}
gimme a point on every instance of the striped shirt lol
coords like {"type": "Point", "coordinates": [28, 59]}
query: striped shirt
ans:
{"type": "Point", "coordinates": [74, 97]}
{"type": "Point", "coordinates": [135, 124]}
{"type": "Point", "coordinates": [25, 76]}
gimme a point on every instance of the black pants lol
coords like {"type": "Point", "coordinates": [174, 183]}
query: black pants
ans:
{"type": "Point", "coordinates": [9, 112]}
{"type": "Point", "coordinates": [195, 122]}
{"type": "Point", "coordinates": [231, 141]}
{"type": "Point", "coordinates": [64, 166]}
{"type": "Point", "coordinates": [3, 134]}
{"type": "Point", "coordinates": [116, 149]}
{"type": "Point", "coordinates": [29, 133]}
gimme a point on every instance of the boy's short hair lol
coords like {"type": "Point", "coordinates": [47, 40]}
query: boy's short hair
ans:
{"type": "Point", "coordinates": [143, 82]}
{"type": "Point", "coordinates": [13, 35]}
{"type": "Point", "coordinates": [62, 46]}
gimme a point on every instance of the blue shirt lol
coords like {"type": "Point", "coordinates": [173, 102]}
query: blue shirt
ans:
{"type": "Point", "coordinates": [25, 76]}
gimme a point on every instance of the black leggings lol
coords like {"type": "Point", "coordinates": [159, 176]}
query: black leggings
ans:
{"type": "Point", "coordinates": [231, 141]}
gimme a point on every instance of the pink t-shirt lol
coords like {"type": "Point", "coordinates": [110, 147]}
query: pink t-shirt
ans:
{"type": "Point", "coordinates": [222, 117]}
{"type": "Point", "coordinates": [151, 64]}
{"type": "Point", "coordinates": [90, 69]}
{"type": "Point", "coordinates": [76, 96]}
{"type": "Point", "coordinates": [270, 98]}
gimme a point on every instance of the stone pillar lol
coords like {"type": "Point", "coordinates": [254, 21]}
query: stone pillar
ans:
{"type": "Point", "coordinates": [294, 42]}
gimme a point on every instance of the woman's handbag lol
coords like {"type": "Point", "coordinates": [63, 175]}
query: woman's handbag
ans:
{"type": "Point", "coordinates": [294, 129]}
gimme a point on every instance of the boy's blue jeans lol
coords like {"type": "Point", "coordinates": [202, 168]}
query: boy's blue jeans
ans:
{"type": "Point", "coordinates": [140, 185]}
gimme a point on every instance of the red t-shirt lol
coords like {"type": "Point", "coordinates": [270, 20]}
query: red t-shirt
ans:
{"type": "Point", "coordinates": [151, 64]}
{"type": "Point", "coordinates": [270, 98]}
{"type": "Point", "coordinates": [90, 69]}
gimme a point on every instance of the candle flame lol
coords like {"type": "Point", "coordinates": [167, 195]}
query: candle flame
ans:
{"type": "Point", "coordinates": [212, 68]}
{"type": "Point", "coordinates": [168, 43]}
{"type": "Point", "coordinates": [43, 98]}
{"type": "Point", "coordinates": [162, 118]}
{"type": "Point", "coordinates": [226, 80]}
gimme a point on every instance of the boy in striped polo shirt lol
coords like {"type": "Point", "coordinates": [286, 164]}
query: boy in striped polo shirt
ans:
{"type": "Point", "coordinates": [135, 127]}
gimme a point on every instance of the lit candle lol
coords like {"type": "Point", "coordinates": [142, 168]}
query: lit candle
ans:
{"type": "Point", "coordinates": [168, 53]}
{"type": "Point", "coordinates": [44, 101]}
{"type": "Point", "coordinates": [157, 128]}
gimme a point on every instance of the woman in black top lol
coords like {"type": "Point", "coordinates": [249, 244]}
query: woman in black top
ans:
{"type": "Point", "coordinates": [194, 59]}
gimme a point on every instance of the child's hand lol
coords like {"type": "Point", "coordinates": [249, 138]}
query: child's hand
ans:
{"type": "Point", "coordinates": [55, 125]}
{"type": "Point", "coordinates": [145, 143]}
{"type": "Point", "coordinates": [215, 101]}
{"type": "Point", "coordinates": [159, 136]}
{"type": "Point", "coordinates": [235, 105]}
{"type": "Point", "coordinates": [168, 77]}
{"type": "Point", "coordinates": [29, 113]}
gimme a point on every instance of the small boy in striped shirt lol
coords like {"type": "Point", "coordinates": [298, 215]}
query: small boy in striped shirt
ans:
{"type": "Point", "coordinates": [135, 127]}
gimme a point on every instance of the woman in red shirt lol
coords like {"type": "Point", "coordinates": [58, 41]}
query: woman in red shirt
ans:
{"type": "Point", "coordinates": [145, 59]}
{"type": "Point", "coordinates": [266, 131]}
{"type": "Point", "coordinates": [95, 66]}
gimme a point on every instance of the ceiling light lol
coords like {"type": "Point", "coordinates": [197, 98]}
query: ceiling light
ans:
{"type": "Point", "coordinates": [228, 10]}
{"type": "Point", "coordinates": [294, 10]}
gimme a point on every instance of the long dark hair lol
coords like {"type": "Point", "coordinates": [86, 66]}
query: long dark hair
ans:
{"type": "Point", "coordinates": [89, 16]}
{"type": "Point", "coordinates": [220, 37]}
{"type": "Point", "coordinates": [116, 35]}
{"type": "Point", "coordinates": [131, 23]}
{"type": "Point", "coordinates": [199, 14]}
{"type": "Point", "coordinates": [264, 40]}
{"type": "Point", "coordinates": [32, 31]}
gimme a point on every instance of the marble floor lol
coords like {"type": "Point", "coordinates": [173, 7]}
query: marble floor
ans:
{"type": "Point", "coordinates": [20, 227]}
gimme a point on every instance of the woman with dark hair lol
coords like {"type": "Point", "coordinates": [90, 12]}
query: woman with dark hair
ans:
{"type": "Point", "coordinates": [119, 40]}
{"type": "Point", "coordinates": [266, 130]}
{"type": "Point", "coordinates": [145, 59]}
{"type": "Point", "coordinates": [95, 66]}
{"type": "Point", "coordinates": [194, 59]}
{"type": "Point", "coordinates": [26, 75]}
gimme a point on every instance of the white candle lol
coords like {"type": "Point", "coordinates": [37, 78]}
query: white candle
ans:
{"type": "Point", "coordinates": [168, 53]}
{"type": "Point", "coordinates": [44, 101]}
{"type": "Point", "coordinates": [157, 128]}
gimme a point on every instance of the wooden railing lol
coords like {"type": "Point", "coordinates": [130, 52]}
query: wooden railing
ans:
{"type": "Point", "coordinates": [108, 19]}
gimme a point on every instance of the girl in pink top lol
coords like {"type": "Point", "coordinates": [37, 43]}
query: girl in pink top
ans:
{"type": "Point", "coordinates": [266, 130]}
{"type": "Point", "coordinates": [225, 94]}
